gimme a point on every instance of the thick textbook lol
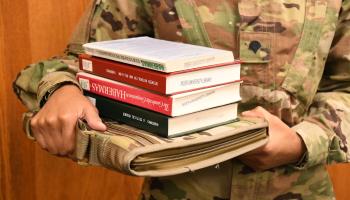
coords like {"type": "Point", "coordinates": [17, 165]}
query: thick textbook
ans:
{"type": "Point", "coordinates": [160, 124]}
{"type": "Point", "coordinates": [156, 54]}
{"type": "Point", "coordinates": [164, 83]}
{"type": "Point", "coordinates": [172, 105]}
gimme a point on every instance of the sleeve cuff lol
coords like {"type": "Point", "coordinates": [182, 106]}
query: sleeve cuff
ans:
{"type": "Point", "coordinates": [51, 82]}
{"type": "Point", "coordinates": [317, 144]}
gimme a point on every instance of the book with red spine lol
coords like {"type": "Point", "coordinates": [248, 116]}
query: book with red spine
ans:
{"type": "Point", "coordinates": [171, 105]}
{"type": "Point", "coordinates": [164, 83]}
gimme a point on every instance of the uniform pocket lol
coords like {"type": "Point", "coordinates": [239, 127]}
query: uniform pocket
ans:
{"type": "Point", "coordinates": [255, 47]}
{"type": "Point", "coordinates": [255, 51]}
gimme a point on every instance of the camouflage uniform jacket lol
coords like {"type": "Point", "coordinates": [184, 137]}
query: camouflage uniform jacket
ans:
{"type": "Point", "coordinates": [296, 64]}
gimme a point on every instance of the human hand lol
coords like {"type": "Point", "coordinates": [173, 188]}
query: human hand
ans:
{"type": "Point", "coordinates": [284, 145]}
{"type": "Point", "coordinates": [53, 126]}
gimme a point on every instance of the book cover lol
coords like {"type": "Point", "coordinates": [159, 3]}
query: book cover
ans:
{"type": "Point", "coordinates": [172, 105]}
{"type": "Point", "coordinates": [164, 83]}
{"type": "Point", "coordinates": [159, 55]}
{"type": "Point", "coordinates": [161, 124]}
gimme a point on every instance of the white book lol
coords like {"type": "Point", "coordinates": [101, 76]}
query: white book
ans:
{"type": "Point", "coordinates": [159, 55]}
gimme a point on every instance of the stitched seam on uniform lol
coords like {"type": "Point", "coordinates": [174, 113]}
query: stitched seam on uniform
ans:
{"type": "Point", "coordinates": [204, 32]}
{"type": "Point", "coordinates": [303, 40]}
{"type": "Point", "coordinates": [201, 34]}
{"type": "Point", "coordinates": [88, 31]}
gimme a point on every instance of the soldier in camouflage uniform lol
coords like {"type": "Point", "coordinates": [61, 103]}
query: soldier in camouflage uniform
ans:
{"type": "Point", "coordinates": [295, 64]}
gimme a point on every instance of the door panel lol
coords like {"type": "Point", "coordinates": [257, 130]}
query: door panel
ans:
{"type": "Point", "coordinates": [31, 30]}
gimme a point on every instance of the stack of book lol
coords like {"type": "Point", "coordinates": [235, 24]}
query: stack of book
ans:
{"type": "Point", "coordinates": [163, 87]}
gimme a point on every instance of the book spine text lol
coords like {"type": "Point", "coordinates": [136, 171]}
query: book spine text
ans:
{"type": "Point", "coordinates": [127, 94]}
{"type": "Point", "coordinates": [127, 59]}
{"type": "Point", "coordinates": [124, 73]}
{"type": "Point", "coordinates": [141, 118]}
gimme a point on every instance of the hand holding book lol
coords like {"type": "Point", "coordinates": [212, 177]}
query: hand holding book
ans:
{"type": "Point", "coordinates": [53, 126]}
{"type": "Point", "coordinates": [284, 145]}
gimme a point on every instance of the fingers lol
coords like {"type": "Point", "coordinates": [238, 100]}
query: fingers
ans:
{"type": "Point", "coordinates": [258, 112]}
{"type": "Point", "coordinates": [259, 159]}
{"type": "Point", "coordinates": [40, 139]}
{"type": "Point", "coordinates": [94, 121]}
{"type": "Point", "coordinates": [54, 125]}
{"type": "Point", "coordinates": [257, 152]}
{"type": "Point", "coordinates": [54, 133]}
{"type": "Point", "coordinates": [39, 133]}
{"type": "Point", "coordinates": [68, 135]}
{"type": "Point", "coordinates": [46, 132]}
{"type": "Point", "coordinates": [255, 163]}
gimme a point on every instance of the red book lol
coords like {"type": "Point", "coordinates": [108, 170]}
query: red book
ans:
{"type": "Point", "coordinates": [172, 105]}
{"type": "Point", "coordinates": [164, 83]}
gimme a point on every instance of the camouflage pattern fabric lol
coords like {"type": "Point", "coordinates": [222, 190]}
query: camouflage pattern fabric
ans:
{"type": "Point", "coordinates": [136, 152]}
{"type": "Point", "coordinates": [296, 64]}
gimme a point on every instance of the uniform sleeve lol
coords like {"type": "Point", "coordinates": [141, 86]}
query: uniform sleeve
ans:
{"type": "Point", "coordinates": [38, 81]}
{"type": "Point", "coordinates": [326, 129]}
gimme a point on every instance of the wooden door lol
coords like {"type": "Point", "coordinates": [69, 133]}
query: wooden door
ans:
{"type": "Point", "coordinates": [31, 30]}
